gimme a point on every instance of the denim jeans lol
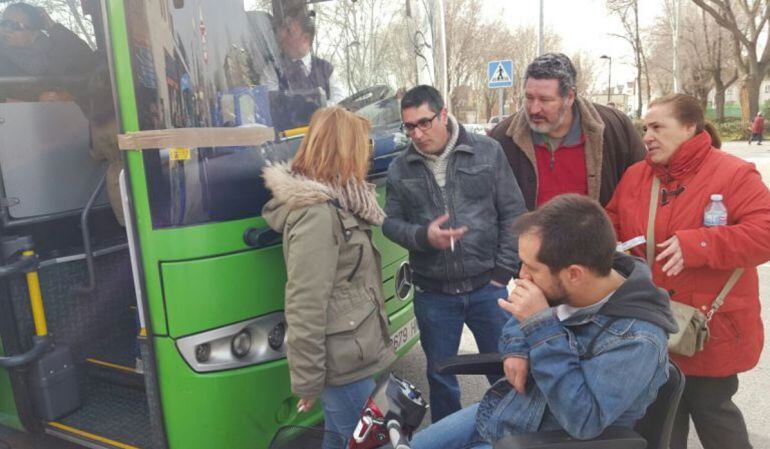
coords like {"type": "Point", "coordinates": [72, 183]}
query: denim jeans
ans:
{"type": "Point", "coordinates": [440, 318]}
{"type": "Point", "coordinates": [342, 407]}
{"type": "Point", "coordinates": [456, 431]}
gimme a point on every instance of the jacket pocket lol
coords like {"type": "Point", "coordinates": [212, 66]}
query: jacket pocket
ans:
{"type": "Point", "coordinates": [353, 340]}
{"type": "Point", "coordinates": [475, 182]}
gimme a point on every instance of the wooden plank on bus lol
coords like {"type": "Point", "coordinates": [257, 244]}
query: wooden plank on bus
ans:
{"type": "Point", "coordinates": [196, 138]}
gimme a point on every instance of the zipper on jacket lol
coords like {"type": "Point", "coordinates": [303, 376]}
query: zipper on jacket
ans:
{"type": "Point", "coordinates": [435, 192]}
{"type": "Point", "coordinates": [358, 262]}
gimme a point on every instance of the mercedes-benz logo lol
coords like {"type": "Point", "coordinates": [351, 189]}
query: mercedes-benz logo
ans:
{"type": "Point", "coordinates": [404, 281]}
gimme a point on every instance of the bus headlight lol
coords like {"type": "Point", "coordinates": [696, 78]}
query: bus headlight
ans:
{"type": "Point", "coordinates": [241, 344]}
{"type": "Point", "coordinates": [277, 336]}
{"type": "Point", "coordinates": [203, 352]}
{"type": "Point", "coordinates": [250, 342]}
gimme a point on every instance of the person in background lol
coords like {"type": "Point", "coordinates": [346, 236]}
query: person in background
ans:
{"type": "Point", "coordinates": [560, 143]}
{"type": "Point", "coordinates": [451, 199]}
{"type": "Point", "coordinates": [694, 257]}
{"type": "Point", "coordinates": [757, 128]}
{"type": "Point", "coordinates": [32, 44]}
{"type": "Point", "coordinates": [335, 309]}
{"type": "Point", "coordinates": [297, 69]}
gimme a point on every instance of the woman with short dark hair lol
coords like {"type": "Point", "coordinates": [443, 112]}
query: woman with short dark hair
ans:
{"type": "Point", "coordinates": [696, 254]}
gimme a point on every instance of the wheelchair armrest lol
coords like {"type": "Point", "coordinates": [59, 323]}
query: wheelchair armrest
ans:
{"type": "Point", "coordinates": [489, 364]}
{"type": "Point", "coordinates": [611, 438]}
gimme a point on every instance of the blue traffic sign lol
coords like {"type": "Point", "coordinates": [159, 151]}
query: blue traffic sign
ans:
{"type": "Point", "coordinates": [499, 74]}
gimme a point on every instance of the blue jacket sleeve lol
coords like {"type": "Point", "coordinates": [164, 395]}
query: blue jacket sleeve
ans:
{"type": "Point", "coordinates": [586, 404]}
{"type": "Point", "coordinates": [512, 341]}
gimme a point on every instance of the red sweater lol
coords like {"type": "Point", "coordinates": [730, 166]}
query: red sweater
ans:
{"type": "Point", "coordinates": [563, 171]}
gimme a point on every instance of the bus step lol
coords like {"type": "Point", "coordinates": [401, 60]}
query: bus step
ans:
{"type": "Point", "coordinates": [112, 416]}
{"type": "Point", "coordinates": [128, 376]}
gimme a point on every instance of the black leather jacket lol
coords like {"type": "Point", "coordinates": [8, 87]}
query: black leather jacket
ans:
{"type": "Point", "coordinates": [481, 193]}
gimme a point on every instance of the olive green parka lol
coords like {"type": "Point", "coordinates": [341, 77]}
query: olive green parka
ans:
{"type": "Point", "coordinates": [335, 309]}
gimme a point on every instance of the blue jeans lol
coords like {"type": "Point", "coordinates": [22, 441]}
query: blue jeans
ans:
{"type": "Point", "coordinates": [456, 431]}
{"type": "Point", "coordinates": [440, 318]}
{"type": "Point", "coordinates": [342, 406]}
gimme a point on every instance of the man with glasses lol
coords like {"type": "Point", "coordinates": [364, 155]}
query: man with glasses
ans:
{"type": "Point", "coordinates": [451, 199]}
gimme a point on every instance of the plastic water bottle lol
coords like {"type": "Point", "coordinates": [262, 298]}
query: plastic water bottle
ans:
{"type": "Point", "coordinates": [716, 212]}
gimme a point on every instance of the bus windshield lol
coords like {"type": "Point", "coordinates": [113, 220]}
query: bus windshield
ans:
{"type": "Point", "coordinates": [262, 63]}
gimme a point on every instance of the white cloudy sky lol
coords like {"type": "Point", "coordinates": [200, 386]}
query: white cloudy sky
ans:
{"type": "Point", "coordinates": [584, 25]}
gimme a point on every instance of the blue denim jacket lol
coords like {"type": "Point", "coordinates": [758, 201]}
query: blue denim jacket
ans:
{"type": "Point", "coordinates": [570, 389]}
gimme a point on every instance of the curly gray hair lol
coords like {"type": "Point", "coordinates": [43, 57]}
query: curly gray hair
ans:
{"type": "Point", "coordinates": [554, 66]}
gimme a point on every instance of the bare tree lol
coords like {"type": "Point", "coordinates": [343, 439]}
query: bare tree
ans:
{"type": "Point", "coordinates": [585, 65]}
{"type": "Point", "coordinates": [705, 59]}
{"type": "Point", "coordinates": [351, 36]}
{"type": "Point", "coordinates": [746, 21]}
{"type": "Point", "coordinates": [628, 13]}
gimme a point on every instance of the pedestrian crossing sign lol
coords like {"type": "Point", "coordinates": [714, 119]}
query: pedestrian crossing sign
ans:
{"type": "Point", "coordinates": [500, 74]}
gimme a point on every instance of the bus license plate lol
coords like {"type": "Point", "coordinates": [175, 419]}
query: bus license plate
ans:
{"type": "Point", "coordinates": [404, 334]}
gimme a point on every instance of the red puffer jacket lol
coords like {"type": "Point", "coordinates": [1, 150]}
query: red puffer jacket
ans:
{"type": "Point", "coordinates": [710, 254]}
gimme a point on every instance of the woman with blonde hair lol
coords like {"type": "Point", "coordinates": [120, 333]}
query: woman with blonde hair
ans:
{"type": "Point", "coordinates": [337, 324]}
{"type": "Point", "coordinates": [710, 227]}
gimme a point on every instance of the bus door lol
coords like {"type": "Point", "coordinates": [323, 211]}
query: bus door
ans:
{"type": "Point", "coordinates": [60, 208]}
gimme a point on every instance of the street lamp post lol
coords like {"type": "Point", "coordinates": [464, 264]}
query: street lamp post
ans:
{"type": "Point", "coordinates": [609, 77]}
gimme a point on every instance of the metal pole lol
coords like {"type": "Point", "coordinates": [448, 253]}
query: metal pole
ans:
{"type": "Point", "coordinates": [609, 82]}
{"type": "Point", "coordinates": [444, 66]}
{"type": "Point", "coordinates": [502, 99]}
{"type": "Point", "coordinates": [675, 67]}
{"type": "Point", "coordinates": [540, 44]}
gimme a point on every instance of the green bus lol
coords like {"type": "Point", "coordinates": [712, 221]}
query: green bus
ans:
{"type": "Point", "coordinates": [141, 293]}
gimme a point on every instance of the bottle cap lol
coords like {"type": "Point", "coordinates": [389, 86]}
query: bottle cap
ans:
{"type": "Point", "coordinates": [716, 197]}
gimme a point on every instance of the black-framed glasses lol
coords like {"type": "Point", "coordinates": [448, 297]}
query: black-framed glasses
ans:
{"type": "Point", "coordinates": [13, 25]}
{"type": "Point", "coordinates": [424, 124]}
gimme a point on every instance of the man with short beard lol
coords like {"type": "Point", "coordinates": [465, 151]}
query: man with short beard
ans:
{"type": "Point", "coordinates": [586, 347]}
{"type": "Point", "coordinates": [561, 143]}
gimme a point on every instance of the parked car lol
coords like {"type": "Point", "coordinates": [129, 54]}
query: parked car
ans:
{"type": "Point", "coordinates": [477, 128]}
{"type": "Point", "coordinates": [493, 121]}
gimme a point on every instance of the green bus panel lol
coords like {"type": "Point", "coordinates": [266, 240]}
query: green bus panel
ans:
{"type": "Point", "coordinates": [208, 293]}
{"type": "Point", "coordinates": [9, 416]}
{"type": "Point", "coordinates": [213, 292]}
{"type": "Point", "coordinates": [235, 409]}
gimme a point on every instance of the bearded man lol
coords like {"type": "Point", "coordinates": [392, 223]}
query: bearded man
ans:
{"type": "Point", "coordinates": [586, 346]}
{"type": "Point", "coordinates": [560, 143]}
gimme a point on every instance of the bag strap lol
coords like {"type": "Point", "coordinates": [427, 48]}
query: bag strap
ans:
{"type": "Point", "coordinates": [651, 220]}
{"type": "Point", "coordinates": [720, 299]}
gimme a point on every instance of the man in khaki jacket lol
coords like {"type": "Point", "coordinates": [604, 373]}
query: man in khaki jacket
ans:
{"type": "Point", "coordinates": [561, 143]}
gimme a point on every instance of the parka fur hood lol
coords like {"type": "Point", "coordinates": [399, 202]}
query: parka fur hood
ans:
{"type": "Point", "coordinates": [292, 191]}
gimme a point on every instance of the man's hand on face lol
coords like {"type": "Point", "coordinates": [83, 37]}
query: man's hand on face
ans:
{"type": "Point", "coordinates": [442, 238]}
{"type": "Point", "coordinates": [525, 300]}
{"type": "Point", "coordinates": [516, 372]}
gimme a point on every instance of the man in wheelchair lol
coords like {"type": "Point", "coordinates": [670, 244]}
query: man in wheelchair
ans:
{"type": "Point", "coordinates": [587, 345]}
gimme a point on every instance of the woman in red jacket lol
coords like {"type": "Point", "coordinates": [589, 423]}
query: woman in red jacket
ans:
{"type": "Point", "coordinates": [693, 262]}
